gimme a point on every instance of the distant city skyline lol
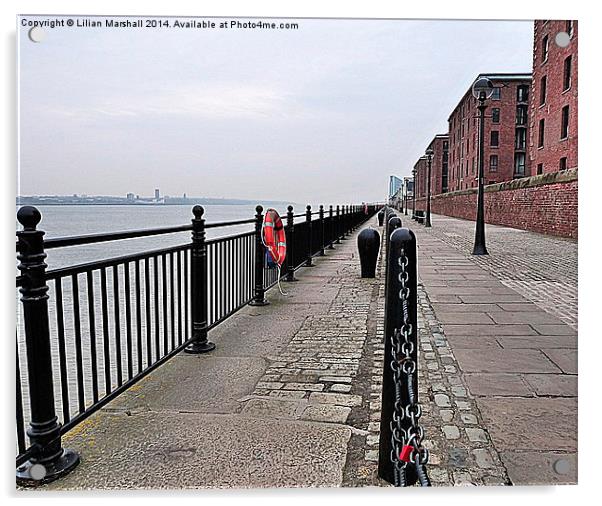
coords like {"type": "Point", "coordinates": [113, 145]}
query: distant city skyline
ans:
{"type": "Point", "coordinates": [326, 112]}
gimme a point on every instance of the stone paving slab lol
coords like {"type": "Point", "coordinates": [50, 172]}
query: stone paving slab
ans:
{"type": "Point", "coordinates": [538, 468]}
{"type": "Point", "coordinates": [531, 424]}
{"type": "Point", "coordinates": [175, 450]}
{"type": "Point", "coordinates": [521, 369]}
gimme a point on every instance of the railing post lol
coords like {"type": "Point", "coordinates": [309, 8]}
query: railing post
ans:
{"type": "Point", "coordinates": [343, 230]}
{"type": "Point", "coordinates": [198, 286]}
{"type": "Point", "coordinates": [400, 368]}
{"type": "Point", "coordinates": [49, 460]}
{"type": "Point", "coordinates": [290, 246]}
{"type": "Point", "coordinates": [259, 290]}
{"type": "Point", "coordinates": [323, 243]}
{"type": "Point", "coordinates": [338, 227]}
{"type": "Point", "coordinates": [332, 229]}
{"type": "Point", "coordinates": [308, 262]}
{"type": "Point", "coordinates": [347, 219]}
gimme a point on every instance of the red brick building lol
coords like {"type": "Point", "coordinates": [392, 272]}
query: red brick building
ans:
{"type": "Point", "coordinates": [506, 134]}
{"type": "Point", "coordinates": [439, 164]}
{"type": "Point", "coordinates": [553, 110]}
{"type": "Point", "coordinates": [439, 167]}
{"type": "Point", "coordinates": [420, 169]}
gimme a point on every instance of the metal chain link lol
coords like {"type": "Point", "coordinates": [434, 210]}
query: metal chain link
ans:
{"type": "Point", "coordinates": [402, 362]}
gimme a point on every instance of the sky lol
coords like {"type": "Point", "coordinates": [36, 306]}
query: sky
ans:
{"type": "Point", "coordinates": [324, 113]}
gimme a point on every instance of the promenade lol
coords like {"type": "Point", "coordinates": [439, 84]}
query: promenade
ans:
{"type": "Point", "coordinates": [291, 395]}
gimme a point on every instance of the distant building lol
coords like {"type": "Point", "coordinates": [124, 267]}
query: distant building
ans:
{"type": "Point", "coordinates": [506, 133]}
{"type": "Point", "coordinates": [130, 197]}
{"type": "Point", "coordinates": [395, 184]}
{"type": "Point", "coordinates": [157, 194]}
{"type": "Point", "coordinates": [553, 111]}
{"type": "Point", "coordinates": [420, 169]}
{"type": "Point", "coordinates": [408, 183]}
{"type": "Point", "coordinates": [439, 164]}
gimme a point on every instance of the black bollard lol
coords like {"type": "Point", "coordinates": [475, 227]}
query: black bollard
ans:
{"type": "Point", "coordinates": [381, 217]}
{"type": "Point", "coordinates": [402, 243]}
{"type": "Point", "coordinates": [368, 244]}
{"type": "Point", "coordinates": [394, 222]}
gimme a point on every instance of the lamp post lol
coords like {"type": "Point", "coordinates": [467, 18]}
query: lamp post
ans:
{"type": "Point", "coordinates": [414, 185]}
{"type": "Point", "coordinates": [482, 89]}
{"type": "Point", "coordinates": [429, 155]}
{"type": "Point", "coordinates": [406, 181]}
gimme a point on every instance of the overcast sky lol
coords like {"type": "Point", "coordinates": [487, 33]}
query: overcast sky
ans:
{"type": "Point", "coordinates": [322, 113]}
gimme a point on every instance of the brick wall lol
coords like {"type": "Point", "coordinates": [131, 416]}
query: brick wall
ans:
{"type": "Point", "coordinates": [546, 204]}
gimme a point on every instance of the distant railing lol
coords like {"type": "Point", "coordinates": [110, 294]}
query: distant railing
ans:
{"type": "Point", "coordinates": [88, 332]}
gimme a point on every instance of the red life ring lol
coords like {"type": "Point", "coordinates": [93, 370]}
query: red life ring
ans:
{"type": "Point", "coordinates": [274, 237]}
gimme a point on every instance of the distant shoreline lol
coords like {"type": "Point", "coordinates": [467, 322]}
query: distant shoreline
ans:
{"type": "Point", "coordinates": [116, 201]}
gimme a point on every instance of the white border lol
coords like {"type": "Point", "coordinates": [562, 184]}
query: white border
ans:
{"type": "Point", "coordinates": [591, 170]}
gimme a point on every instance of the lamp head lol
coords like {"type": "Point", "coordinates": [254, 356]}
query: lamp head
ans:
{"type": "Point", "coordinates": [482, 88]}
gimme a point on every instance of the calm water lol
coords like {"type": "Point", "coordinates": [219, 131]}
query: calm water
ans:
{"type": "Point", "coordinates": [63, 221]}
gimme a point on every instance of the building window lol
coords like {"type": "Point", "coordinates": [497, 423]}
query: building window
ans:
{"type": "Point", "coordinates": [520, 138]}
{"type": "Point", "coordinates": [567, 72]}
{"type": "Point", "coordinates": [495, 139]}
{"type": "Point", "coordinates": [497, 94]}
{"type": "Point", "coordinates": [564, 127]}
{"type": "Point", "coordinates": [541, 133]}
{"type": "Point", "coordinates": [522, 93]}
{"type": "Point", "coordinates": [544, 49]}
{"type": "Point", "coordinates": [495, 115]}
{"type": "Point", "coordinates": [562, 165]}
{"type": "Point", "coordinates": [519, 164]}
{"type": "Point", "coordinates": [543, 88]}
{"type": "Point", "coordinates": [521, 115]}
{"type": "Point", "coordinates": [493, 159]}
{"type": "Point", "coordinates": [539, 168]}
{"type": "Point", "coordinates": [569, 28]}
{"type": "Point", "coordinates": [445, 145]}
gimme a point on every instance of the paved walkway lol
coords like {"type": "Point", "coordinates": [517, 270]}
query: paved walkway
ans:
{"type": "Point", "coordinates": [280, 402]}
{"type": "Point", "coordinates": [541, 268]}
{"type": "Point", "coordinates": [518, 358]}
{"type": "Point", "coordinates": [291, 396]}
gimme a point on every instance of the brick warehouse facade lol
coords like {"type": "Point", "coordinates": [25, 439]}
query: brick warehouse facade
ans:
{"type": "Point", "coordinates": [439, 167]}
{"type": "Point", "coordinates": [419, 171]}
{"type": "Point", "coordinates": [546, 204]}
{"type": "Point", "coordinates": [553, 110]}
{"type": "Point", "coordinates": [506, 133]}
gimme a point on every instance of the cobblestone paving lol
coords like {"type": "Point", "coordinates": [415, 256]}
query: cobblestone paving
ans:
{"type": "Point", "coordinates": [461, 451]}
{"type": "Point", "coordinates": [541, 268]}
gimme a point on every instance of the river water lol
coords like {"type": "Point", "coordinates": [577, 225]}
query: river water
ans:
{"type": "Point", "coordinates": [64, 221]}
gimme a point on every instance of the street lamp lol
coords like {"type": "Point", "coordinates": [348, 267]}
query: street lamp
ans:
{"type": "Point", "coordinates": [414, 185]}
{"type": "Point", "coordinates": [429, 155]}
{"type": "Point", "coordinates": [482, 89]}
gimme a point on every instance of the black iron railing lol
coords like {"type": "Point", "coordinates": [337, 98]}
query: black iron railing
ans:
{"type": "Point", "coordinates": [88, 332]}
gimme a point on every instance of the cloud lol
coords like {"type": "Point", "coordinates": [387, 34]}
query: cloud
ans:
{"type": "Point", "coordinates": [222, 101]}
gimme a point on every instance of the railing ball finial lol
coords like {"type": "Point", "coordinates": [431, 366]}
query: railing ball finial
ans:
{"type": "Point", "coordinates": [290, 208]}
{"type": "Point", "coordinates": [29, 217]}
{"type": "Point", "coordinates": [198, 212]}
{"type": "Point", "coordinates": [308, 207]}
{"type": "Point", "coordinates": [259, 209]}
